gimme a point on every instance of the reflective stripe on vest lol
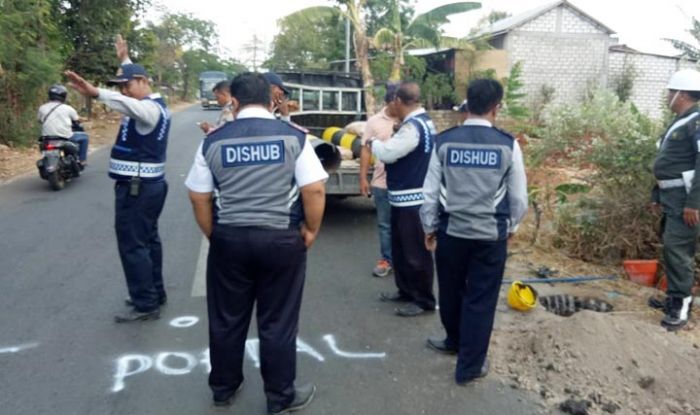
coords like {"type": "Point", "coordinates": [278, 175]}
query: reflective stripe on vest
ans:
{"type": "Point", "coordinates": [406, 198]}
{"type": "Point", "coordinates": [131, 169]}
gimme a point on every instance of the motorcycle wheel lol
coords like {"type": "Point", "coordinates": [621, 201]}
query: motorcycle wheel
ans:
{"type": "Point", "coordinates": [56, 181]}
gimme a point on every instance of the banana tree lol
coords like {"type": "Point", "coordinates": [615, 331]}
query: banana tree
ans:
{"type": "Point", "coordinates": [690, 51]}
{"type": "Point", "coordinates": [354, 11]}
{"type": "Point", "coordinates": [423, 30]}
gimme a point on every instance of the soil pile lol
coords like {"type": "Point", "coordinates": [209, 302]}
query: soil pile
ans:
{"type": "Point", "coordinates": [599, 363]}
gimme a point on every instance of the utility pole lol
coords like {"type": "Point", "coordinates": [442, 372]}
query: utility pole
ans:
{"type": "Point", "coordinates": [347, 45]}
{"type": "Point", "coordinates": [253, 48]}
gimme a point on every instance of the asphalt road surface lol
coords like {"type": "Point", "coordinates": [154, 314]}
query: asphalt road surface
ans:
{"type": "Point", "coordinates": [61, 282]}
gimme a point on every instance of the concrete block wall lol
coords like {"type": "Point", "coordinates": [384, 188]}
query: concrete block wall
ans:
{"type": "Point", "coordinates": [568, 63]}
{"type": "Point", "coordinates": [574, 22]}
{"type": "Point", "coordinates": [652, 73]}
{"type": "Point", "coordinates": [560, 49]}
{"type": "Point", "coordinates": [545, 23]}
{"type": "Point", "coordinates": [444, 119]}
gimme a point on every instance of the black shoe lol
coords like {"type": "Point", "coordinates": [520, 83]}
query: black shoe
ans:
{"type": "Point", "coordinates": [132, 315]}
{"type": "Point", "coordinates": [411, 310]}
{"type": "Point", "coordinates": [394, 297]}
{"type": "Point", "coordinates": [161, 301]}
{"type": "Point", "coordinates": [677, 313]}
{"type": "Point", "coordinates": [441, 346]}
{"type": "Point", "coordinates": [484, 371]}
{"type": "Point", "coordinates": [226, 399]}
{"type": "Point", "coordinates": [303, 395]}
{"type": "Point", "coordinates": [658, 302]}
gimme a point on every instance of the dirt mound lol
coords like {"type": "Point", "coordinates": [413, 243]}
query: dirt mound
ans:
{"type": "Point", "coordinates": [602, 363]}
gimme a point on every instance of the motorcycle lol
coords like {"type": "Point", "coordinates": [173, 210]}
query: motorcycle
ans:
{"type": "Point", "coordinates": [60, 162]}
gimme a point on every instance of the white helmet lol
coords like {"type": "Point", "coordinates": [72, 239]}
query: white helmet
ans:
{"type": "Point", "coordinates": [684, 80]}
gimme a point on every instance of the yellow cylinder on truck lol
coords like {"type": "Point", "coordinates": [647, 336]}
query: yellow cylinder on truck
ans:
{"type": "Point", "coordinates": [522, 297]}
{"type": "Point", "coordinates": [339, 137]}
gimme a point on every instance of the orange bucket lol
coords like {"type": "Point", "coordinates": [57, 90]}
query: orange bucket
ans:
{"type": "Point", "coordinates": [642, 271]}
{"type": "Point", "coordinates": [663, 283]}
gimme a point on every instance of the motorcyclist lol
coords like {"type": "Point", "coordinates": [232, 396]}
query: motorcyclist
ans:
{"type": "Point", "coordinates": [60, 120]}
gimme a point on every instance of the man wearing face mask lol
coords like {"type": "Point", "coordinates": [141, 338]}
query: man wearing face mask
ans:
{"type": "Point", "coordinates": [677, 195]}
{"type": "Point", "coordinates": [137, 165]}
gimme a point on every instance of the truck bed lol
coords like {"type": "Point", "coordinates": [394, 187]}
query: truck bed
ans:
{"type": "Point", "coordinates": [346, 180]}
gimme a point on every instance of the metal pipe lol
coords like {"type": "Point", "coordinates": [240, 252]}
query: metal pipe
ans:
{"type": "Point", "coordinates": [582, 278]}
{"type": "Point", "coordinates": [328, 153]}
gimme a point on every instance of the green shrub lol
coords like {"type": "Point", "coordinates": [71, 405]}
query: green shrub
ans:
{"type": "Point", "coordinates": [613, 146]}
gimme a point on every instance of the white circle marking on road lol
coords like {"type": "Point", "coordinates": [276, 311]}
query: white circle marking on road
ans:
{"type": "Point", "coordinates": [184, 321]}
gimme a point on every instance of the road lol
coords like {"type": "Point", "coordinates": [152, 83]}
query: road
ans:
{"type": "Point", "coordinates": [61, 282]}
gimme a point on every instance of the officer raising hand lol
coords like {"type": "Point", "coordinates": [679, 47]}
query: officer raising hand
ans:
{"type": "Point", "coordinates": [270, 203]}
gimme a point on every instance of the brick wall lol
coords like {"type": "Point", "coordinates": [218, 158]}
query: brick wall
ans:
{"type": "Point", "coordinates": [559, 49]}
{"type": "Point", "coordinates": [652, 73]}
{"type": "Point", "coordinates": [444, 119]}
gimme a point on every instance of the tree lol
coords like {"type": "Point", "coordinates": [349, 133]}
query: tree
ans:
{"type": "Point", "coordinates": [297, 47]}
{"type": "Point", "coordinates": [90, 28]}
{"type": "Point", "coordinates": [424, 29]}
{"type": "Point", "coordinates": [513, 95]}
{"type": "Point", "coordinates": [30, 59]}
{"type": "Point", "coordinates": [178, 48]}
{"type": "Point", "coordinates": [689, 51]}
{"type": "Point", "coordinates": [487, 21]}
{"type": "Point", "coordinates": [354, 10]}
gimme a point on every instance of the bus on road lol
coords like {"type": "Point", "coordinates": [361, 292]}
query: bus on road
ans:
{"type": "Point", "coordinates": [207, 80]}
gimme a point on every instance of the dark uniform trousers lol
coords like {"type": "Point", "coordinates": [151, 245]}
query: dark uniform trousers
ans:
{"type": "Point", "coordinates": [140, 250]}
{"type": "Point", "coordinates": [680, 242]}
{"type": "Point", "coordinates": [470, 273]}
{"type": "Point", "coordinates": [413, 264]}
{"type": "Point", "coordinates": [245, 266]}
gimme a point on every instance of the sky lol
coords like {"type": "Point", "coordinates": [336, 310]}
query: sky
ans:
{"type": "Point", "coordinates": [641, 24]}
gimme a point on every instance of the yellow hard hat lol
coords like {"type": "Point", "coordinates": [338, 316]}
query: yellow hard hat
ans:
{"type": "Point", "coordinates": [522, 297]}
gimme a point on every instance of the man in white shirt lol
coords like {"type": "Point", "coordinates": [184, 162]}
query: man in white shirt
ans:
{"type": "Point", "coordinates": [58, 118]}
{"type": "Point", "coordinates": [268, 212]}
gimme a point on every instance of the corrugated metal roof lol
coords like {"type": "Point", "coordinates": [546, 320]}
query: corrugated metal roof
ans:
{"type": "Point", "coordinates": [426, 51]}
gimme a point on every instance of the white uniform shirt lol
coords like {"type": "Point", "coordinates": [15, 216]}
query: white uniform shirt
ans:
{"type": "Point", "coordinates": [57, 123]}
{"type": "Point", "coordinates": [401, 143]}
{"type": "Point", "coordinates": [308, 168]}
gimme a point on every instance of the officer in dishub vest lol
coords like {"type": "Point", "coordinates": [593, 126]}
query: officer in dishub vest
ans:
{"type": "Point", "coordinates": [137, 165]}
{"type": "Point", "coordinates": [677, 172]}
{"type": "Point", "coordinates": [406, 155]}
{"type": "Point", "coordinates": [475, 197]}
{"type": "Point", "coordinates": [270, 203]}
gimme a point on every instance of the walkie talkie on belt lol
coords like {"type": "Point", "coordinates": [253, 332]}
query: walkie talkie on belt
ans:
{"type": "Point", "coordinates": [135, 183]}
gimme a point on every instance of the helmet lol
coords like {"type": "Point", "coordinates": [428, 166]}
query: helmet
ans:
{"type": "Point", "coordinates": [522, 297]}
{"type": "Point", "coordinates": [58, 93]}
{"type": "Point", "coordinates": [685, 80]}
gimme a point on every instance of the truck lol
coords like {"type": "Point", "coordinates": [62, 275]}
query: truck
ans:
{"type": "Point", "coordinates": [329, 99]}
{"type": "Point", "coordinates": [207, 81]}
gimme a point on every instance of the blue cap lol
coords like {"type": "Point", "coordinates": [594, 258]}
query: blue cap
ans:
{"type": "Point", "coordinates": [127, 72]}
{"type": "Point", "coordinates": [274, 79]}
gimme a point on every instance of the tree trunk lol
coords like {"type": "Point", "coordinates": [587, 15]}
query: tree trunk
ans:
{"type": "Point", "coordinates": [362, 52]}
{"type": "Point", "coordinates": [398, 62]}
